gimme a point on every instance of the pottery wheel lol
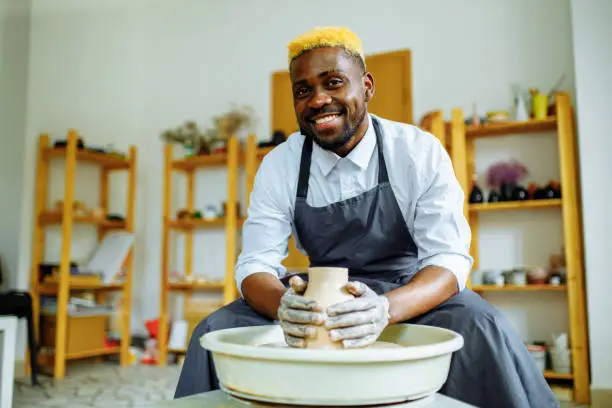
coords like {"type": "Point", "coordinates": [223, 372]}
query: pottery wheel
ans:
{"type": "Point", "coordinates": [253, 362]}
{"type": "Point", "coordinates": [246, 401]}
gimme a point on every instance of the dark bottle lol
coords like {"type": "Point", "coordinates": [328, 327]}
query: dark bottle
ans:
{"type": "Point", "coordinates": [494, 196]}
{"type": "Point", "coordinates": [476, 195]}
{"type": "Point", "coordinates": [520, 194]}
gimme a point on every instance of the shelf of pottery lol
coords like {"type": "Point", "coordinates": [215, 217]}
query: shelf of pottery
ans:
{"type": "Point", "coordinates": [521, 183]}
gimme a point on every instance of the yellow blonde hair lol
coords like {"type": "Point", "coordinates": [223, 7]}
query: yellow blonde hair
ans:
{"type": "Point", "coordinates": [326, 37]}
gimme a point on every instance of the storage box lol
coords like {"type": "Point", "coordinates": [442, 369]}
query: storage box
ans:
{"type": "Point", "coordinates": [84, 333]}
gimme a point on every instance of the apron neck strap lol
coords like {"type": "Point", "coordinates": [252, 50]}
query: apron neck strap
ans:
{"type": "Point", "coordinates": [383, 176]}
{"type": "Point", "coordinates": [305, 161]}
{"type": "Point", "coordinates": [302, 190]}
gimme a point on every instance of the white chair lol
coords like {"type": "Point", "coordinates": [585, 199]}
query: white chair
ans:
{"type": "Point", "coordinates": [8, 343]}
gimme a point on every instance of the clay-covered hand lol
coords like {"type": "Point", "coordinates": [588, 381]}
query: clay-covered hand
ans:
{"type": "Point", "coordinates": [358, 322]}
{"type": "Point", "coordinates": [298, 315]}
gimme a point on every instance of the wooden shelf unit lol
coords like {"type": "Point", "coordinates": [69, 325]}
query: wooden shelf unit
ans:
{"type": "Point", "coordinates": [200, 223]}
{"type": "Point", "coordinates": [187, 286]}
{"type": "Point", "coordinates": [462, 154]}
{"type": "Point", "coordinates": [72, 155]}
{"type": "Point", "coordinates": [551, 375]}
{"type": "Point", "coordinates": [511, 128]}
{"type": "Point", "coordinates": [516, 205]}
{"type": "Point", "coordinates": [50, 218]}
{"type": "Point", "coordinates": [519, 288]}
{"type": "Point", "coordinates": [231, 222]}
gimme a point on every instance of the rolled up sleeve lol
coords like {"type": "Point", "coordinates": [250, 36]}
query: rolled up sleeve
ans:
{"type": "Point", "coordinates": [442, 233]}
{"type": "Point", "coordinates": [266, 231]}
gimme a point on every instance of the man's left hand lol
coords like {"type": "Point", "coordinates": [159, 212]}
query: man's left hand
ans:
{"type": "Point", "coordinates": [358, 322]}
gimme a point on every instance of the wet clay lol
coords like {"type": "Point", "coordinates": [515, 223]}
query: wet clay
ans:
{"type": "Point", "coordinates": [325, 285]}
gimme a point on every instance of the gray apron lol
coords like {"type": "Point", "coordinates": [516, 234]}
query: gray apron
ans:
{"type": "Point", "coordinates": [368, 235]}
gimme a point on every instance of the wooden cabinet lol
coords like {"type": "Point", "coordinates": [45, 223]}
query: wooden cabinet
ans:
{"type": "Point", "coordinates": [283, 115]}
{"type": "Point", "coordinates": [392, 85]}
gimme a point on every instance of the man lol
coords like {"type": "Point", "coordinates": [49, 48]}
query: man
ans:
{"type": "Point", "coordinates": [380, 198]}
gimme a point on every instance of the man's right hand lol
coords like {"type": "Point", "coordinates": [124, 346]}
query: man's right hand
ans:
{"type": "Point", "coordinates": [298, 315]}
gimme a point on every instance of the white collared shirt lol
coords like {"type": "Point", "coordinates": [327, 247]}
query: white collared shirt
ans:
{"type": "Point", "coordinates": [420, 172]}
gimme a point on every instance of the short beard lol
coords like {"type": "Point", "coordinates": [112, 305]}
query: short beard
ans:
{"type": "Point", "coordinates": [346, 136]}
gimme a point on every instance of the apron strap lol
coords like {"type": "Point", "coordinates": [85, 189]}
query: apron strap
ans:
{"type": "Point", "coordinates": [305, 161]}
{"type": "Point", "coordinates": [383, 176]}
{"type": "Point", "coordinates": [302, 189]}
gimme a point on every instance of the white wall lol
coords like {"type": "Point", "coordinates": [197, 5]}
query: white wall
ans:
{"type": "Point", "coordinates": [593, 63]}
{"type": "Point", "coordinates": [14, 53]}
{"type": "Point", "coordinates": [121, 72]}
{"type": "Point", "coordinates": [14, 41]}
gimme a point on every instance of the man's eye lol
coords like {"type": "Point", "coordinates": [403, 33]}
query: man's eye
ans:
{"type": "Point", "coordinates": [334, 82]}
{"type": "Point", "coordinates": [300, 91]}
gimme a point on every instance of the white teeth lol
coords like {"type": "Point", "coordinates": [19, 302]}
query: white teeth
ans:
{"type": "Point", "coordinates": [325, 119]}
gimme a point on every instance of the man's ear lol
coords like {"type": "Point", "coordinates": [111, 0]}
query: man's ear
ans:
{"type": "Point", "coordinates": [368, 84]}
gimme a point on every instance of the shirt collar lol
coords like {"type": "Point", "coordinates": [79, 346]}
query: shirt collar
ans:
{"type": "Point", "coordinates": [360, 155]}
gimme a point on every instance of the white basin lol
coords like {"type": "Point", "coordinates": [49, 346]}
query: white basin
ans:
{"type": "Point", "coordinates": [247, 368]}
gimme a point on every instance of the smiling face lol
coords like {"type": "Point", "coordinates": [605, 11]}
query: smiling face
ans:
{"type": "Point", "coordinates": [330, 96]}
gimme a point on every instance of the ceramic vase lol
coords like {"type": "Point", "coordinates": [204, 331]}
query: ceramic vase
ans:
{"type": "Point", "coordinates": [325, 285]}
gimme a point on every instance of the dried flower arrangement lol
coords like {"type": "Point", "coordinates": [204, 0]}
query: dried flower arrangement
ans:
{"type": "Point", "coordinates": [505, 173]}
{"type": "Point", "coordinates": [200, 141]}
{"type": "Point", "coordinates": [188, 135]}
{"type": "Point", "coordinates": [230, 123]}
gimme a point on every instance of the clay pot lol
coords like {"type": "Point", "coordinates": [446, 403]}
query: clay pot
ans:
{"type": "Point", "coordinates": [325, 285]}
{"type": "Point", "coordinates": [537, 275]}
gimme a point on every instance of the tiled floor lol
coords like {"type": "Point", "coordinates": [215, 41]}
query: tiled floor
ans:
{"type": "Point", "coordinates": [99, 385]}
{"type": "Point", "coordinates": [105, 385]}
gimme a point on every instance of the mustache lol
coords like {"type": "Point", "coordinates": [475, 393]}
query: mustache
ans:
{"type": "Point", "coordinates": [310, 113]}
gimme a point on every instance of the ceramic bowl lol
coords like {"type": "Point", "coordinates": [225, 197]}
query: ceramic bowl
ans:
{"type": "Point", "coordinates": [249, 365]}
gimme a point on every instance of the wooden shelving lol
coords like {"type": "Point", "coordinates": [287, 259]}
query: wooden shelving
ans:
{"type": "Point", "coordinates": [94, 353]}
{"type": "Point", "coordinates": [230, 222]}
{"type": "Point", "coordinates": [52, 289]}
{"type": "Point", "coordinates": [108, 161]}
{"type": "Point", "coordinates": [48, 218]}
{"type": "Point", "coordinates": [189, 286]}
{"type": "Point", "coordinates": [190, 224]}
{"type": "Point", "coordinates": [551, 375]}
{"type": "Point", "coordinates": [517, 205]}
{"type": "Point", "coordinates": [518, 288]}
{"type": "Point", "coordinates": [461, 149]}
{"type": "Point", "coordinates": [199, 161]}
{"type": "Point", "coordinates": [65, 219]}
{"type": "Point", "coordinates": [511, 128]}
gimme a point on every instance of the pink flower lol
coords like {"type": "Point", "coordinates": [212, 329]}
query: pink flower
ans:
{"type": "Point", "coordinates": [505, 173]}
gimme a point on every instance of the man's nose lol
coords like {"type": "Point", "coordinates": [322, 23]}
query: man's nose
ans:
{"type": "Point", "coordinates": [319, 99]}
